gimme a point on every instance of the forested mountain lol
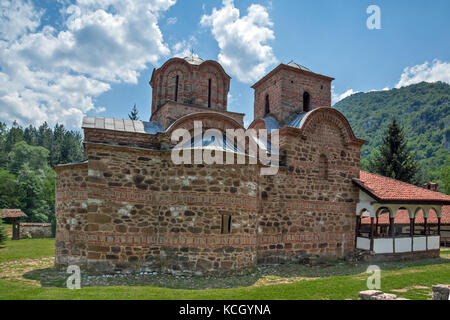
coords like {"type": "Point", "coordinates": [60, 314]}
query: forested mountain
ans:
{"type": "Point", "coordinates": [424, 112]}
{"type": "Point", "coordinates": [27, 158]}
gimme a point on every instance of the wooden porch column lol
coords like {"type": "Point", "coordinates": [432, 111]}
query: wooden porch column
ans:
{"type": "Point", "coordinates": [358, 225]}
{"type": "Point", "coordinates": [376, 225]}
{"type": "Point", "coordinates": [425, 225]}
{"type": "Point", "coordinates": [411, 227]}
{"type": "Point", "coordinates": [391, 226]}
{"type": "Point", "coordinates": [439, 226]}
{"type": "Point", "coordinates": [371, 232]}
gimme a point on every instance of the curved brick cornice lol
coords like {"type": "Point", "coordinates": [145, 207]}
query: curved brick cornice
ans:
{"type": "Point", "coordinates": [325, 114]}
{"type": "Point", "coordinates": [190, 67]}
{"type": "Point", "coordinates": [258, 124]}
{"type": "Point", "coordinates": [208, 119]}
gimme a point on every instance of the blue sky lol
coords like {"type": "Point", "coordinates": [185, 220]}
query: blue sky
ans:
{"type": "Point", "coordinates": [60, 60]}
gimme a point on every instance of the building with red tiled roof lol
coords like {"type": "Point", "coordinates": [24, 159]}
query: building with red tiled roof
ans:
{"type": "Point", "coordinates": [387, 190]}
{"type": "Point", "coordinates": [13, 215]}
{"type": "Point", "coordinates": [389, 208]}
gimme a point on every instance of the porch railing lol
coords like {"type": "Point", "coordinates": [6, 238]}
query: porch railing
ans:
{"type": "Point", "coordinates": [398, 244]}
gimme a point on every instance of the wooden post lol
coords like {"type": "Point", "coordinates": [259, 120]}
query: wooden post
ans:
{"type": "Point", "coordinates": [376, 226]}
{"type": "Point", "coordinates": [371, 233]}
{"type": "Point", "coordinates": [15, 230]}
{"type": "Point", "coordinates": [358, 226]}
{"type": "Point", "coordinates": [391, 226]}
{"type": "Point", "coordinates": [425, 225]}
{"type": "Point", "coordinates": [439, 226]}
{"type": "Point", "coordinates": [411, 227]}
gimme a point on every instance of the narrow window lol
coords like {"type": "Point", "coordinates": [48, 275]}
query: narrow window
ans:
{"type": "Point", "coordinates": [226, 224]}
{"type": "Point", "coordinates": [306, 102]}
{"type": "Point", "coordinates": [267, 106]}
{"type": "Point", "coordinates": [209, 93]}
{"type": "Point", "coordinates": [176, 88]}
{"type": "Point", "coordinates": [323, 167]}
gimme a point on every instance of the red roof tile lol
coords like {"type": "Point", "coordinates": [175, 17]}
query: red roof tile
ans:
{"type": "Point", "coordinates": [385, 189]}
{"type": "Point", "coordinates": [11, 213]}
{"type": "Point", "coordinates": [402, 217]}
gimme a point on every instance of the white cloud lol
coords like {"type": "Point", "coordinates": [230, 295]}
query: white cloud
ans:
{"type": "Point", "coordinates": [335, 97]}
{"type": "Point", "coordinates": [55, 75]}
{"type": "Point", "coordinates": [17, 18]}
{"type": "Point", "coordinates": [172, 20]}
{"type": "Point", "coordinates": [436, 71]}
{"type": "Point", "coordinates": [185, 48]}
{"type": "Point", "coordinates": [242, 40]}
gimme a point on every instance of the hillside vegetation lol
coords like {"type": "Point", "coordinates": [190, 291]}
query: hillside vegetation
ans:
{"type": "Point", "coordinates": [424, 112]}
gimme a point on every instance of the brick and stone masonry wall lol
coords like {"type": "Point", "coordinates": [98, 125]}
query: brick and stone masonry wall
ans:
{"type": "Point", "coordinates": [71, 215]}
{"type": "Point", "coordinates": [193, 82]}
{"type": "Point", "coordinates": [35, 230]}
{"type": "Point", "coordinates": [145, 213]}
{"type": "Point", "coordinates": [285, 89]}
{"type": "Point", "coordinates": [303, 214]}
{"type": "Point", "coordinates": [173, 111]}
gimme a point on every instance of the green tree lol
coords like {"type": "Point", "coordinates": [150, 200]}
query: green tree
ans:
{"type": "Point", "coordinates": [445, 180]}
{"type": "Point", "coordinates": [34, 157]}
{"type": "Point", "coordinates": [134, 114]}
{"type": "Point", "coordinates": [15, 135]}
{"type": "Point", "coordinates": [3, 234]}
{"type": "Point", "coordinates": [9, 195]}
{"type": "Point", "coordinates": [393, 159]}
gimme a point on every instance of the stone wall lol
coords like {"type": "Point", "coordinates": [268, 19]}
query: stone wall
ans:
{"type": "Point", "coordinates": [285, 88]}
{"type": "Point", "coordinates": [35, 230]}
{"type": "Point", "coordinates": [304, 213]}
{"type": "Point", "coordinates": [71, 214]}
{"type": "Point", "coordinates": [145, 213]}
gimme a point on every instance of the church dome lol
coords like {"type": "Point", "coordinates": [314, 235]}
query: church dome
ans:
{"type": "Point", "coordinates": [194, 60]}
{"type": "Point", "coordinates": [298, 66]}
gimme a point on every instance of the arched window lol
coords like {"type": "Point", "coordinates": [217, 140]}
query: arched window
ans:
{"type": "Point", "coordinates": [306, 102]}
{"type": "Point", "coordinates": [209, 92]}
{"type": "Point", "coordinates": [323, 167]}
{"type": "Point", "coordinates": [177, 80]}
{"type": "Point", "coordinates": [267, 106]}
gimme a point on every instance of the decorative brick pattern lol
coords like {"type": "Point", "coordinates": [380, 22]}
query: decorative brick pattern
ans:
{"type": "Point", "coordinates": [131, 208]}
{"type": "Point", "coordinates": [285, 87]}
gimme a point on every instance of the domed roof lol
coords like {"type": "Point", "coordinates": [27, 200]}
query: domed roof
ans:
{"type": "Point", "coordinates": [296, 65]}
{"type": "Point", "coordinates": [194, 60]}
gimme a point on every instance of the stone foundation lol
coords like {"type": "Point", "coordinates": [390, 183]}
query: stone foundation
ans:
{"type": "Point", "coordinates": [417, 255]}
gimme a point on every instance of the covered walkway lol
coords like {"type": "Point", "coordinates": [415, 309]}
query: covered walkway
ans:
{"type": "Point", "coordinates": [383, 199]}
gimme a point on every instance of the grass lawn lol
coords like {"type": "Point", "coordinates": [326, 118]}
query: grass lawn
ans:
{"type": "Point", "coordinates": [26, 272]}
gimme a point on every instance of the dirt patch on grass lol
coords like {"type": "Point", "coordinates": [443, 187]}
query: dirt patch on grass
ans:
{"type": "Point", "coordinates": [14, 270]}
{"type": "Point", "coordinates": [274, 280]}
{"type": "Point", "coordinates": [410, 288]}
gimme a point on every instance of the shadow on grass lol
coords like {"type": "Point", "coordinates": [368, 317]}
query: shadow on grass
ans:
{"type": "Point", "coordinates": [262, 275]}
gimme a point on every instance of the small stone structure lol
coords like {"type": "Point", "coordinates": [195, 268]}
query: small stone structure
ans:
{"type": "Point", "coordinates": [377, 295]}
{"type": "Point", "coordinates": [34, 230]}
{"type": "Point", "coordinates": [441, 292]}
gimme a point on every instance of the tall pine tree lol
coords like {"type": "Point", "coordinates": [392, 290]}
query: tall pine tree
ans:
{"type": "Point", "coordinates": [134, 114]}
{"type": "Point", "coordinates": [393, 159]}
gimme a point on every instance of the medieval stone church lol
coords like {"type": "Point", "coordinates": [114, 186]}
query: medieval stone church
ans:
{"type": "Point", "coordinates": [129, 207]}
